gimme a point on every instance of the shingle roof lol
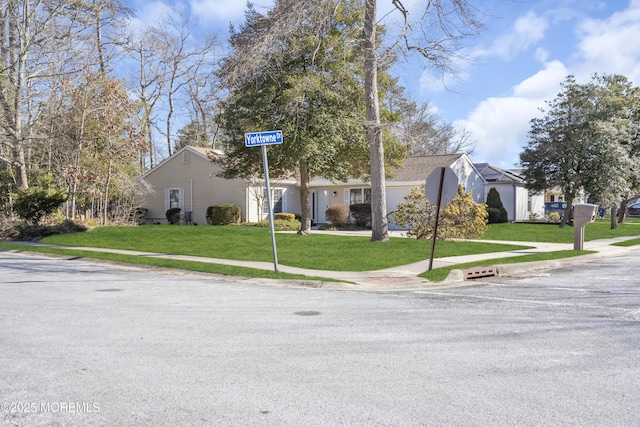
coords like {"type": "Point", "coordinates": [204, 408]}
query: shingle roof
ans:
{"type": "Point", "coordinates": [495, 174]}
{"type": "Point", "coordinates": [418, 168]}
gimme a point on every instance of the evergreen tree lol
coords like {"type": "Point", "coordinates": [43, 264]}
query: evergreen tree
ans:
{"type": "Point", "coordinates": [495, 209]}
{"type": "Point", "coordinates": [311, 87]}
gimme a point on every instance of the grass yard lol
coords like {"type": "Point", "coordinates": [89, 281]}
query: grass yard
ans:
{"type": "Point", "coordinates": [552, 233]}
{"type": "Point", "coordinates": [315, 251]}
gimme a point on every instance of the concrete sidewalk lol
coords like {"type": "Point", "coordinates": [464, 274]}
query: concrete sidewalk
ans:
{"type": "Point", "coordinates": [406, 276]}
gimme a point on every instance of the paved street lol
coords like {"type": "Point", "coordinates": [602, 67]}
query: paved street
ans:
{"type": "Point", "coordinates": [86, 344]}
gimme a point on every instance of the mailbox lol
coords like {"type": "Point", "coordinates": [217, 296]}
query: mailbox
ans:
{"type": "Point", "coordinates": [582, 215]}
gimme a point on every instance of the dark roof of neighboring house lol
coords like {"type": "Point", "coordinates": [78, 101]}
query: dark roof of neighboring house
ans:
{"type": "Point", "coordinates": [495, 174]}
{"type": "Point", "coordinates": [418, 168]}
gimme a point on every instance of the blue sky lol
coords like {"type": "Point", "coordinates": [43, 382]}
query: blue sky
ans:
{"type": "Point", "coordinates": [525, 51]}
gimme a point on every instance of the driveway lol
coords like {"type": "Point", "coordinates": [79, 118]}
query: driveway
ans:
{"type": "Point", "coordinates": [95, 344]}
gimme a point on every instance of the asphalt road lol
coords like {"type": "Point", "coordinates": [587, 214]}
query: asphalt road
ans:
{"type": "Point", "coordinates": [84, 344]}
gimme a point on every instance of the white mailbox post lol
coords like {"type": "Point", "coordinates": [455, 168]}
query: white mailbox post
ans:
{"type": "Point", "coordinates": [582, 215]}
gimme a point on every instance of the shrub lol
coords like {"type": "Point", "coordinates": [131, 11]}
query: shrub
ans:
{"type": "Point", "coordinates": [416, 214]}
{"type": "Point", "coordinates": [223, 214]}
{"type": "Point", "coordinates": [494, 202]}
{"type": "Point", "coordinates": [361, 214]}
{"type": "Point", "coordinates": [35, 203]}
{"type": "Point", "coordinates": [494, 215]}
{"type": "Point", "coordinates": [461, 218]}
{"type": "Point", "coordinates": [278, 224]}
{"type": "Point", "coordinates": [284, 216]}
{"type": "Point", "coordinates": [337, 214]}
{"type": "Point", "coordinates": [37, 232]}
{"type": "Point", "coordinates": [173, 216]}
{"type": "Point", "coordinates": [138, 215]}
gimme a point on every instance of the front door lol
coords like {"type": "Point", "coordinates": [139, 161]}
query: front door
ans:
{"type": "Point", "coordinates": [320, 206]}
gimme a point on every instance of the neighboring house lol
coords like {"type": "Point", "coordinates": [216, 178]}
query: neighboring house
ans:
{"type": "Point", "coordinates": [521, 205]}
{"type": "Point", "coordinates": [188, 180]}
{"type": "Point", "coordinates": [555, 194]}
{"type": "Point", "coordinates": [414, 172]}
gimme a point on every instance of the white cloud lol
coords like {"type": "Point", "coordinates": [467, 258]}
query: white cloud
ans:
{"type": "Point", "coordinates": [225, 10]}
{"type": "Point", "coordinates": [499, 126]}
{"type": "Point", "coordinates": [526, 31]}
{"type": "Point", "coordinates": [610, 45]}
{"type": "Point", "coordinates": [152, 13]}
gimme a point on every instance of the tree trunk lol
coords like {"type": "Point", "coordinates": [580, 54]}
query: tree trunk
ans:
{"type": "Point", "coordinates": [305, 204]}
{"type": "Point", "coordinates": [614, 223]}
{"type": "Point", "coordinates": [622, 212]}
{"type": "Point", "coordinates": [379, 226]}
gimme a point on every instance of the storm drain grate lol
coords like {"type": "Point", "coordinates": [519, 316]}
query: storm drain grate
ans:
{"type": "Point", "coordinates": [477, 272]}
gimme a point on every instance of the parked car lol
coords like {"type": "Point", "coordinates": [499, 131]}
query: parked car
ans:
{"type": "Point", "coordinates": [559, 207]}
{"type": "Point", "coordinates": [633, 210]}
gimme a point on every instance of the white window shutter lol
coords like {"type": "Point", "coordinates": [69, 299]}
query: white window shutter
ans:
{"type": "Point", "coordinates": [181, 200]}
{"type": "Point", "coordinates": [167, 202]}
{"type": "Point", "coordinates": [346, 196]}
{"type": "Point", "coordinates": [284, 200]}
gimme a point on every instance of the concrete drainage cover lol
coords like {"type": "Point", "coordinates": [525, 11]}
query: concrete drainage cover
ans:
{"type": "Point", "coordinates": [478, 272]}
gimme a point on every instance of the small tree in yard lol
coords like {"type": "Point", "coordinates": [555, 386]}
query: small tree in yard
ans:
{"type": "Point", "coordinates": [495, 208]}
{"type": "Point", "coordinates": [462, 218]}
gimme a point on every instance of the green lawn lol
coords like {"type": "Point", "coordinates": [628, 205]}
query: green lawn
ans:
{"type": "Point", "coordinates": [314, 251]}
{"type": "Point", "coordinates": [552, 233]}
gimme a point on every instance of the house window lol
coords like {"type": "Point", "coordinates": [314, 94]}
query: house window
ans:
{"type": "Point", "coordinates": [174, 198]}
{"type": "Point", "coordinates": [359, 195]}
{"type": "Point", "coordinates": [277, 195]}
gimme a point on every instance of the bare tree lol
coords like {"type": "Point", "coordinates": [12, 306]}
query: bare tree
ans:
{"type": "Point", "coordinates": [435, 36]}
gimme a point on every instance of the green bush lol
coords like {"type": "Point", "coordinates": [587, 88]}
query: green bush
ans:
{"type": "Point", "coordinates": [36, 232]}
{"type": "Point", "coordinates": [337, 214]}
{"type": "Point", "coordinates": [494, 202]}
{"type": "Point", "coordinates": [223, 214]}
{"type": "Point", "coordinates": [494, 215]}
{"type": "Point", "coordinates": [278, 224]}
{"type": "Point", "coordinates": [173, 216]}
{"type": "Point", "coordinates": [361, 214]}
{"type": "Point", "coordinates": [284, 216]}
{"type": "Point", "coordinates": [35, 203]}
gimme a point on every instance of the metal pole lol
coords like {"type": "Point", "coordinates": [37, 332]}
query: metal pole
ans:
{"type": "Point", "coordinates": [273, 233]}
{"type": "Point", "coordinates": [435, 226]}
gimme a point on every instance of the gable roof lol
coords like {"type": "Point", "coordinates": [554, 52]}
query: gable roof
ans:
{"type": "Point", "coordinates": [495, 174]}
{"type": "Point", "coordinates": [418, 168]}
{"type": "Point", "coordinates": [203, 152]}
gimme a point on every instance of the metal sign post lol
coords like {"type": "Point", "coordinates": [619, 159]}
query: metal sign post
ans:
{"type": "Point", "coordinates": [263, 139]}
{"type": "Point", "coordinates": [441, 185]}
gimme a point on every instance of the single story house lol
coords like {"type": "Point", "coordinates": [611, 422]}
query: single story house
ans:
{"type": "Point", "coordinates": [414, 172]}
{"type": "Point", "coordinates": [188, 180]}
{"type": "Point", "coordinates": [520, 203]}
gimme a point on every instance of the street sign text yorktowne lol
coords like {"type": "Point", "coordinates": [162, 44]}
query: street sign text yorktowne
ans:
{"type": "Point", "coordinates": [263, 138]}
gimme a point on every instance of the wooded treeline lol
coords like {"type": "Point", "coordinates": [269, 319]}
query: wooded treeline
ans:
{"type": "Point", "coordinates": [90, 98]}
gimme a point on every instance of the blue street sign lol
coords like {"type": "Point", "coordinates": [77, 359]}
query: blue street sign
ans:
{"type": "Point", "coordinates": [263, 138]}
